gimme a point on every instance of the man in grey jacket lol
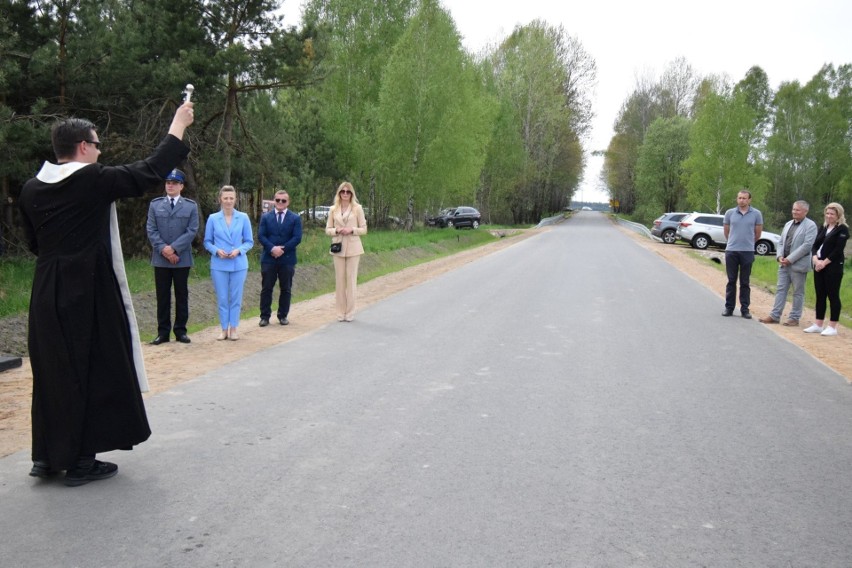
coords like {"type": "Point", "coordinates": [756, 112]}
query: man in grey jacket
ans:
{"type": "Point", "coordinates": [172, 225]}
{"type": "Point", "coordinates": [794, 263]}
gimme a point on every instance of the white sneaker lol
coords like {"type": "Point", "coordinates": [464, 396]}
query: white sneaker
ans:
{"type": "Point", "coordinates": [813, 329]}
{"type": "Point", "coordinates": [829, 331]}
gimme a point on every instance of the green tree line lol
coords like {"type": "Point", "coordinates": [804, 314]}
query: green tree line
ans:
{"type": "Point", "coordinates": [685, 143]}
{"type": "Point", "coordinates": [377, 92]}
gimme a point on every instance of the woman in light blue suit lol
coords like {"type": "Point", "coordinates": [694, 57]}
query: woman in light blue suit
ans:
{"type": "Point", "coordinates": [228, 238]}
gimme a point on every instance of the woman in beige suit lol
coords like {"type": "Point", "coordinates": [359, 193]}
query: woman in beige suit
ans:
{"type": "Point", "coordinates": [346, 223]}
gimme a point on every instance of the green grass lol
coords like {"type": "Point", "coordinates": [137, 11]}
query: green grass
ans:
{"type": "Point", "coordinates": [383, 249]}
{"type": "Point", "coordinates": [15, 285]}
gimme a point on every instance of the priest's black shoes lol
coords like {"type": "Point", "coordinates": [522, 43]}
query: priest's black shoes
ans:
{"type": "Point", "coordinates": [94, 470]}
{"type": "Point", "coordinates": [183, 338]}
{"type": "Point", "coordinates": [160, 339]}
{"type": "Point", "coordinates": [42, 469]}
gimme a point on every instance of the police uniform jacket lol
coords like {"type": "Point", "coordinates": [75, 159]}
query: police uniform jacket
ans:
{"type": "Point", "coordinates": [176, 227]}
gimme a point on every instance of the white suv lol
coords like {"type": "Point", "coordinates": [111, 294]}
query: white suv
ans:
{"type": "Point", "coordinates": [704, 229]}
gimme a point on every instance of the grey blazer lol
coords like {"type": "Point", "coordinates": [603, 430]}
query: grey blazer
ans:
{"type": "Point", "coordinates": [176, 227]}
{"type": "Point", "coordinates": [800, 249]}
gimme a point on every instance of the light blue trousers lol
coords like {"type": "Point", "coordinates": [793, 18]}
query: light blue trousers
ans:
{"type": "Point", "coordinates": [229, 295]}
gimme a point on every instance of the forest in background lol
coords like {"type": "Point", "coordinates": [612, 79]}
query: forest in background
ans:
{"type": "Point", "coordinates": [380, 93]}
{"type": "Point", "coordinates": [686, 142]}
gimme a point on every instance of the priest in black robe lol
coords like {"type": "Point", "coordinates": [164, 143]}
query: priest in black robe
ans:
{"type": "Point", "coordinates": [88, 374]}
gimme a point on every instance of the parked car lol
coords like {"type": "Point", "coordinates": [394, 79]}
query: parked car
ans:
{"type": "Point", "coordinates": [464, 217]}
{"type": "Point", "coordinates": [665, 227]}
{"type": "Point", "coordinates": [319, 213]}
{"type": "Point", "coordinates": [441, 219]}
{"type": "Point", "coordinates": [702, 230]}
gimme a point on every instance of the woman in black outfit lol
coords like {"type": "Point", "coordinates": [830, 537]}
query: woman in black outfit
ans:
{"type": "Point", "coordinates": [828, 258]}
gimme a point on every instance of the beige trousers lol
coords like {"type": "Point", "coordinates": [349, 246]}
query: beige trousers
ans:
{"type": "Point", "coordinates": [346, 278]}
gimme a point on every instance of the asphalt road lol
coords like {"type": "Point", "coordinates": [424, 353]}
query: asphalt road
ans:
{"type": "Point", "coordinates": [572, 400]}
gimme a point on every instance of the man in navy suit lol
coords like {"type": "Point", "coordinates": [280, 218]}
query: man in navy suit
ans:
{"type": "Point", "coordinates": [172, 225]}
{"type": "Point", "coordinates": [280, 232]}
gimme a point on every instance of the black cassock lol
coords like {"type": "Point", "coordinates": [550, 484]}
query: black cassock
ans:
{"type": "Point", "coordinates": [86, 394]}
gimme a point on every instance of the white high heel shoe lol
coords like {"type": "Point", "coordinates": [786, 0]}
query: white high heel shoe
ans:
{"type": "Point", "coordinates": [222, 335]}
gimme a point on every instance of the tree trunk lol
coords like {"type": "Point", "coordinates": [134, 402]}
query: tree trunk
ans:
{"type": "Point", "coordinates": [228, 129]}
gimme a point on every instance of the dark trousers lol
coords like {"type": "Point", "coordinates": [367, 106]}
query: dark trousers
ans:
{"type": "Point", "coordinates": [827, 287]}
{"type": "Point", "coordinates": [269, 274]}
{"type": "Point", "coordinates": [738, 263]}
{"type": "Point", "coordinates": [163, 279]}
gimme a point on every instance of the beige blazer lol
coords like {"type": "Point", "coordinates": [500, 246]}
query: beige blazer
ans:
{"type": "Point", "coordinates": [351, 243]}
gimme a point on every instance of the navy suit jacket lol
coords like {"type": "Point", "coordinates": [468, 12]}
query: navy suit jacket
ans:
{"type": "Point", "coordinates": [288, 234]}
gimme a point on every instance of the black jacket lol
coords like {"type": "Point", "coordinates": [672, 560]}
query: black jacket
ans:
{"type": "Point", "coordinates": [833, 245]}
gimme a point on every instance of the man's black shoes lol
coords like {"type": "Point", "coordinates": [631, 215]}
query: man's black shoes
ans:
{"type": "Point", "coordinates": [746, 314]}
{"type": "Point", "coordinates": [183, 338]}
{"type": "Point", "coordinates": [263, 322]}
{"type": "Point", "coordinates": [160, 339]}
{"type": "Point", "coordinates": [728, 313]}
{"type": "Point", "coordinates": [283, 321]}
{"type": "Point", "coordinates": [84, 472]}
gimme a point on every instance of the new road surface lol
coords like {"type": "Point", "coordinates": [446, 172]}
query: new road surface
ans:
{"type": "Point", "coordinates": [571, 400]}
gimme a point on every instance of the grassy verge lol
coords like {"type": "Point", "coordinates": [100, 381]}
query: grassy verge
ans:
{"type": "Point", "coordinates": [15, 285]}
{"type": "Point", "coordinates": [384, 255]}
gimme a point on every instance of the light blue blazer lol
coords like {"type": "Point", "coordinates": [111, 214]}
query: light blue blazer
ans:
{"type": "Point", "coordinates": [218, 235]}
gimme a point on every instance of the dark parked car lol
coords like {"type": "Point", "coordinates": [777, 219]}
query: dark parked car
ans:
{"type": "Point", "coordinates": [464, 217]}
{"type": "Point", "coordinates": [665, 227]}
{"type": "Point", "coordinates": [441, 219]}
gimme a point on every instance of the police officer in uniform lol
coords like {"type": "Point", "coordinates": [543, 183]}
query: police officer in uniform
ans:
{"type": "Point", "coordinates": [172, 225]}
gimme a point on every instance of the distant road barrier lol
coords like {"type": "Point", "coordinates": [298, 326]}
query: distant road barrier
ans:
{"type": "Point", "coordinates": [642, 229]}
{"type": "Point", "coordinates": [550, 220]}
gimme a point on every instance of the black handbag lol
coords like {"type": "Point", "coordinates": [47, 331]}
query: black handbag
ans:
{"type": "Point", "coordinates": [335, 247]}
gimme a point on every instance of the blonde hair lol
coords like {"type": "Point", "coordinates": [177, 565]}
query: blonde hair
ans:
{"type": "Point", "coordinates": [226, 188]}
{"type": "Point", "coordinates": [344, 185]}
{"type": "Point", "coordinates": [838, 208]}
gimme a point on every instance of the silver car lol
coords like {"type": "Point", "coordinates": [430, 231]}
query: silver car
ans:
{"type": "Point", "coordinates": [665, 227]}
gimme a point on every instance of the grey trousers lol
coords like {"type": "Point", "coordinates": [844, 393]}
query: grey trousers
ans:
{"type": "Point", "coordinates": [786, 278]}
